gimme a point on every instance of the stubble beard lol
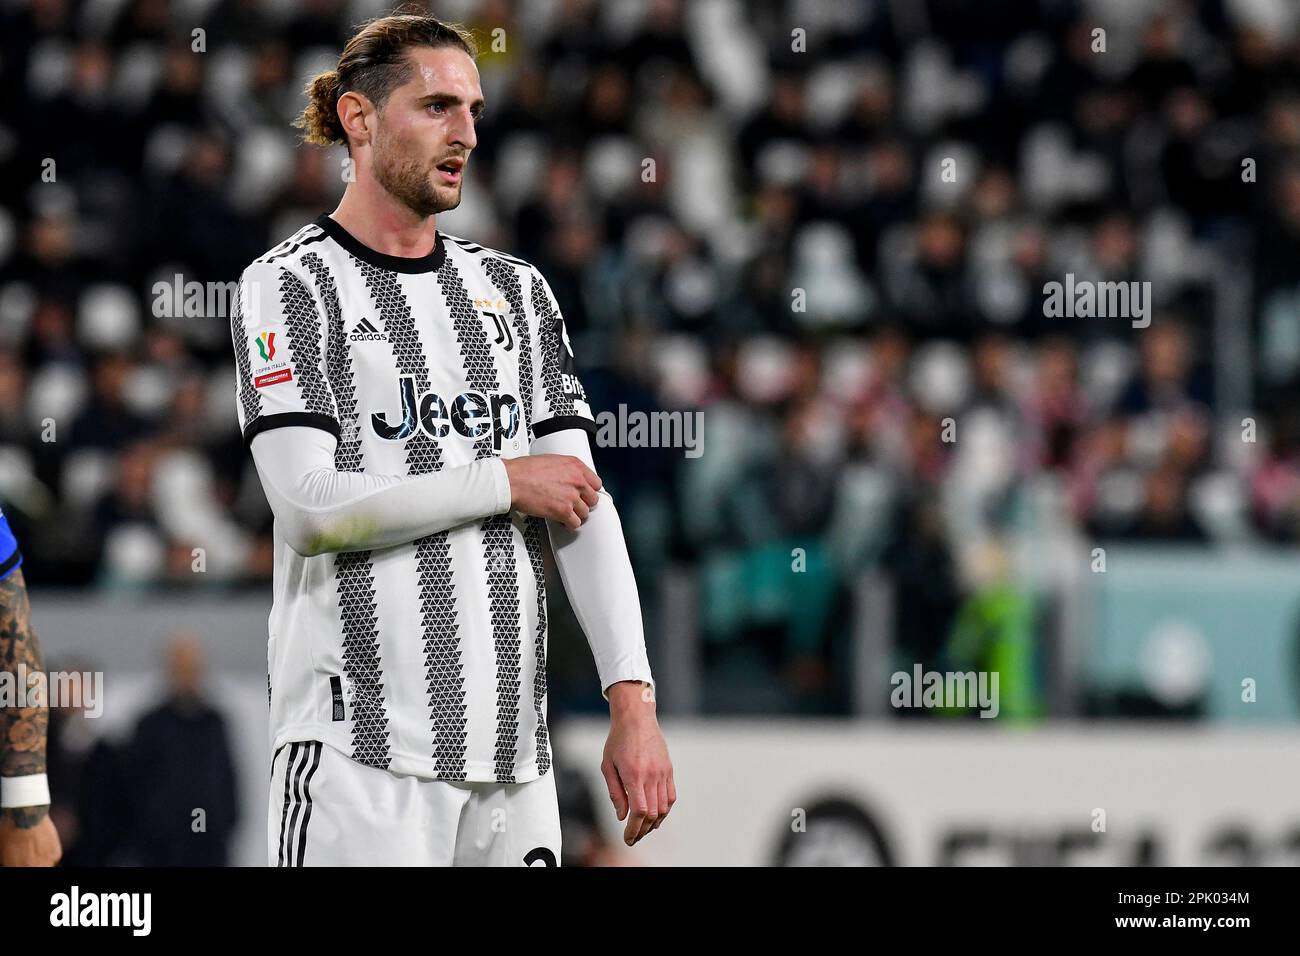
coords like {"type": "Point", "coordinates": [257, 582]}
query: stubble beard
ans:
{"type": "Point", "coordinates": [407, 181]}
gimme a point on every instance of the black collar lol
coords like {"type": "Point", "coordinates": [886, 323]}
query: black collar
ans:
{"type": "Point", "coordinates": [430, 263]}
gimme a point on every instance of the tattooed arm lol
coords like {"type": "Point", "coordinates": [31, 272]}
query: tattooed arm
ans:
{"type": "Point", "coordinates": [27, 835]}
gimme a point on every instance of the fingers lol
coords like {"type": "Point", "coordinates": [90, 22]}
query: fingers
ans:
{"type": "Point", "coordinates": [588, 484]}
{"type": "Point", "coordinates": [641, 817]}
{"type": "Point", "coordinates": [642, 793]}
{"type": "Point", "coordinates": [663, 802]}
{"type": "Point", "coordinates": [575, 514]}
{"type": "Point", "coordinates": [615, 786]}
{"type": "Point", "coordinates": [652, 815]}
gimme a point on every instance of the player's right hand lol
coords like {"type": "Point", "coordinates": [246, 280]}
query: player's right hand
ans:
{"type": "Point", "coordinates": [36, 845]}
{"type": "Point", "coordinates": [559, 488]}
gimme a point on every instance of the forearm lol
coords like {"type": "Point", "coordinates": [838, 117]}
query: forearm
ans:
{"type": "Point", "coordinates": [597, 574]}
{"type": "Point", "coordinates": [23, 730]}
{"type": "Point", "coordinates": [320, 509]}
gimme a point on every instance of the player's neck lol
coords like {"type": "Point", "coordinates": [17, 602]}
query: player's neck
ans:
{"type": "Point", "coordinates": [383, 224]}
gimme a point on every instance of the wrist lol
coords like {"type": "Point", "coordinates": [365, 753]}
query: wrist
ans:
{"type": "Point", "coordinates": [629, 697]}
{"type": "Point", "coordinates": [24, 818]}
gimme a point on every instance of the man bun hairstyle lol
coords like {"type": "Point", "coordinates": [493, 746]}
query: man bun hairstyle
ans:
{"type": "Point", "coordinates": [320, 120]}
{"type": "Point", "coordinates": [373, 63]}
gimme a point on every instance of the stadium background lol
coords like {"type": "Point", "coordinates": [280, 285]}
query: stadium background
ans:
{"type": "Point", "coordinates": [905, 461]}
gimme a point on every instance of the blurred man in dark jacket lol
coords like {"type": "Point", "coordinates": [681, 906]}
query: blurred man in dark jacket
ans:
{"type": "Point", "coordinates": [183, 777]}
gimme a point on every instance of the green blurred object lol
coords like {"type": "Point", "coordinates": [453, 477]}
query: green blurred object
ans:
{"type": "Point", "coordinates": [994, 632]}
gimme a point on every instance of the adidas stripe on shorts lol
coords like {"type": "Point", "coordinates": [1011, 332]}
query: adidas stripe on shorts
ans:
{"type": "Point", "coordinates": [328, 810]}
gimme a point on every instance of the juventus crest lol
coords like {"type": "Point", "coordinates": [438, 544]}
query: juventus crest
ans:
{"type": "Point", "coordinates": [499, 323]}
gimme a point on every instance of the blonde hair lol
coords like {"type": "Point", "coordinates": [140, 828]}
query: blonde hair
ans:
{"type": "Point", "coordinates": [373, 63]}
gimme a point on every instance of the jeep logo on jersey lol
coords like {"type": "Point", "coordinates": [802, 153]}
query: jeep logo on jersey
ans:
{"type": "Point", "coordinates": [471, 415]}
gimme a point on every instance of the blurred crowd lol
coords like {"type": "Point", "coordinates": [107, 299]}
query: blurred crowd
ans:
{"type": "Point", "coordinates": [826, 225]}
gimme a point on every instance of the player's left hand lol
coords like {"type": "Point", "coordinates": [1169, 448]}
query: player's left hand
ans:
{"type": "Point", "coordinates": [636, 765]}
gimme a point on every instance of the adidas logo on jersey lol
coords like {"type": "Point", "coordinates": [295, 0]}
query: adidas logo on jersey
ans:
{"type": "Point", "coordinates": [366, 332]}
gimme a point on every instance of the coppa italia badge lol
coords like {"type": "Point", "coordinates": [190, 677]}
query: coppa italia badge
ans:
{"type": "Point", "coordinates": [266, 345]}
{"type": "Point", "coordinates": [266, 348]}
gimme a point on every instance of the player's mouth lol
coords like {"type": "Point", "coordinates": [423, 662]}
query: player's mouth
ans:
{"type": "Point", "coordinates": [451, 170]}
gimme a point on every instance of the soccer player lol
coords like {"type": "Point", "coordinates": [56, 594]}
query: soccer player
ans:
{"type": "Point", "coordinates": [27, 835]}
{"type": "Point", "coordinates": [412, 407]}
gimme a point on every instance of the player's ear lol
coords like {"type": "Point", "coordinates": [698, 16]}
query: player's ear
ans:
{"type": "Point", "coordinates": [357, 115]}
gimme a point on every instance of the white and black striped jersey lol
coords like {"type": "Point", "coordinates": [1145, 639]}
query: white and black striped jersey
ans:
{"type": "Point", "coordinates": [427, 658]}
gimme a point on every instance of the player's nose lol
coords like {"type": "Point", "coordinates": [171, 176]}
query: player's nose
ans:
{"type": "Point", "coordinates": [462, 131]}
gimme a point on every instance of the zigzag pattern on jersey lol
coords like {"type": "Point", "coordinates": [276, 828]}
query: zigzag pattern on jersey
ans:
{"type": "Point", "coordinates": [448, 711]}
{"type": "Point", "coordinates": [338, 367]}
{"type": "Point", "coordinates": [533, 542]}
{"type": "Point", "coordinates": [549, 344]}
{"type": "Point", "coordinates": [503, 595]}
{"type": "Point", "coordinates": [249, 396]}
{"type": "Point", "coordinates": [506, 279]}
{"type": "Point", "coordinates": [498, 532]}
{"type": "Point", "coordinates": [359, 615]}
{"type": "Point", "coordinates": [305, 236]}
{"type": "Point", "coordinates": [302, 324]}
{"type": "Point", "coordinates": [354, 570]}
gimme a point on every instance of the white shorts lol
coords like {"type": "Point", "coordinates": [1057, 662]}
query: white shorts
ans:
{"type": "Point", "coordinates": [326, 809]}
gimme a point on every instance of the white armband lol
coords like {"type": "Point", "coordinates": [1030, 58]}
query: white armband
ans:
{"type": "Point", "coordinates": [32, 790]}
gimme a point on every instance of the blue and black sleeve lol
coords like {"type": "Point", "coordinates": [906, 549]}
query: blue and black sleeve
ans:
{"type": "Point", "coordinates": [10, 556]}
